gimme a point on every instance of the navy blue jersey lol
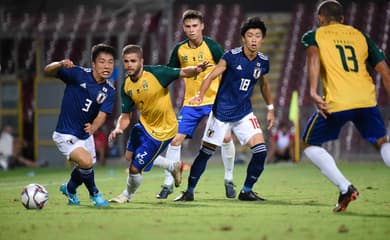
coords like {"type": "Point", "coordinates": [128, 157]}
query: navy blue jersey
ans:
{"type": "Point", "coordinates": [238, 81]}
{"type": "Point", "coordinates": [83, 99]}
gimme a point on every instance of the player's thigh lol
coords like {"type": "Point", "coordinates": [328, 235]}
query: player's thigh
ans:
{"type": "Point", "coordinates": [82, 157]}
{"type": "Point", "coordinates": [190, 117]}
{"type": "Point", "coordinates": [146, 152]}
{"type": "Point", "coordinates": [319, 130]}
{"type": "Point", "coordinates": [370, 124]}
{"type": "Point", "coordinates": [75, 149]}
{"type": "Point", "coordinates": [215, 130]}
{"type": "Point", "coordinates": [248, 130]}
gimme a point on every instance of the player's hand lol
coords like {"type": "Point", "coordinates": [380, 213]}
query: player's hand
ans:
{"type": "Point", "coordinates": [322, 106]}
{"type": "Point", "coordinates": [89, 128]}
{"type": "Point", "coordinates": [114, 133]}
{"type": "Point", "coordinates": [66, 63]}
{"type": "Point", "coordinates": [203, 66]}
{"type": "Point", "coordinates": [196, 100]}
{"type": "Point", "coordinates": [270, 119]}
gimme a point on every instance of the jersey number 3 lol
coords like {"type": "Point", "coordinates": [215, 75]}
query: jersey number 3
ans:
{"type": "Point", "coordinates": [87, 104]}
{"type": "Point", "coordinates": [347, 54]}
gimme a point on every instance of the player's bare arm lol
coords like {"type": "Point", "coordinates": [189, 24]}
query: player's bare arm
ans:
{"type": "Point", "coordinates": [383, 69]}
{"type": "Point", "coordinates": [91, 128]}
{"type": "Point", "coordinates": [313, 63]}
{"type": "Point", "coordinates": [192, 71]}
{"type": "Point", "coordinates": [266, 92]}
{"type": "Point", "coordinates": [218, 70]}
{"type": "Point", "coordinates": [52, 68]}
{"type": "Point", "coordinates": [123, 122]}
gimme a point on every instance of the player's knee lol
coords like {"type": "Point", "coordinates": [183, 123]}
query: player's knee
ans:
{"type": "Point", "coordinates": [177, 140]}
{"type": "Point", "coordinates": [134, 170]}
{"type": "Point", "coordinates": [85, 163]}
{"type": "Point", "coordinates": [209, 146]}
{"type": "Point", "coordinates": [227, 139]}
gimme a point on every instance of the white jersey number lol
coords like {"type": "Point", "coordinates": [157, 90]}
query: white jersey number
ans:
{"type": "Point", "coordinates": [245, 84]}
{"type": "Point", "coordinates": [87, 104]}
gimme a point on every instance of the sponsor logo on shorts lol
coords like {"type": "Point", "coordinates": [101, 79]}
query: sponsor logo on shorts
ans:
{"type": "Point", "coordinates": [210, 133]}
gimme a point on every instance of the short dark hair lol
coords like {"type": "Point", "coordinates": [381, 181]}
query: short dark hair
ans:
{"type": "Point", "coordinates": [253, 22]}
{"type": "Point", "coordinates": [331, 10]}
{"type": "Point", "coordinates": [132, 48]}
{"type": "Point", "coordinates": [192, 14]}
{"type": "Point", "coordinates": [102, 47]}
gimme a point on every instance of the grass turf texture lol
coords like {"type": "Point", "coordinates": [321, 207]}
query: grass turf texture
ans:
{"type": "Point", "coordinates": [299, 206]}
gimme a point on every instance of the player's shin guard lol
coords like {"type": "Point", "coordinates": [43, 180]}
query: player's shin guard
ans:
{"type": "Point", "coordinates": [88, 176]}
{"type": "Point", "coordinates": [75, 181]}
{"type": "Point", "coordinates": [133, 183]}
{"type": "Point", "coordinates": [228, 152]}
{"type": "Point", "coordinates": [325, 162]}
{"type": "Point", "coordinates": [255, 166]}
{"type": "Point", "coordinates": [198, 167]}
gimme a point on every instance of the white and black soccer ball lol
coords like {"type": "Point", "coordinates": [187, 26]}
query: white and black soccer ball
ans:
{"type": "Point", "coordinates": [34, 196]}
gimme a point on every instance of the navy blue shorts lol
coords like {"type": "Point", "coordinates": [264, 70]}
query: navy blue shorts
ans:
{"type": "Point", "coordinates": [145, 148]}
{"type": "Point", "coordinates": [190, 117]}
{"type": "Point", "coordinates": [368, 122]}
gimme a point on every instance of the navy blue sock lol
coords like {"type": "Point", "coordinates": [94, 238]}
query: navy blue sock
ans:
{"type": "Point", "coordinates": [88, 176]}
{"type": "Point", "coordinates": [198, 167]}
{"type": "Point", "coordinates": [75, 181]}
{"type": "Point", "coordinates": [255, 166]}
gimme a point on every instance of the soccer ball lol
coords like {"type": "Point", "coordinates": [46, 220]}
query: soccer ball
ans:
{"type": "Point", "coordinates": [34, 196]}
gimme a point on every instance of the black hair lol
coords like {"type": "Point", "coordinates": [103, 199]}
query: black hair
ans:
{"type": "Point", "coordinates": [102, 47]}
{"type": "Point", "coordinates": [332, 10]}
{"type": "Point", "coordinates": [253, 22]}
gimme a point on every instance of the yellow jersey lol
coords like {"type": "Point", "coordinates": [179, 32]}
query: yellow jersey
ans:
{"type": "Point", "coordinates": [183, 55]}
{"type": "Point", "coordinates": [344, 51]}
{"type": "Point", "coordinates": [151, 97]}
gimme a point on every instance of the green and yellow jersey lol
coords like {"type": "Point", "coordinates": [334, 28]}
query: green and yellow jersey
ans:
{"type": "Point", "coordinates": [151, 96]}
{"type": "Point", "coordinates": [183, 55]}
{"type": "Point", "coordinates": [344, 51]}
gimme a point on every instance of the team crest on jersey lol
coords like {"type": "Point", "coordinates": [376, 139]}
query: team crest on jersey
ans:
{"type": "Point", "coordinates": [200, 56]}
{"type": "Point", "coordinates": [145, 85]}
{"type": "Point", "coordinates": [185, 58]}
{"type": "Point", "coordinates": [257, 72]}
{"type": "Point", "coordinates": [210, 132]}
{"type": "Point", "coordinates": [101, 97]}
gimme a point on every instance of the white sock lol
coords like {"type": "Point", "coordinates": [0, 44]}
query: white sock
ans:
{"type": "Point", "coordinates": [161, 162]}
{"type": "Point", "coordinates": [325, 162]}
{"type": "Point", "coordinates": [133, 182]}
{"type": "Point", "coordinates": [168, 181]}
{"type": "Point", "coordinates": [173, 155]}
{"type": "Point", "coordinates": [385, 153]}
{"type": "Point", "coordinates": [228, 152]}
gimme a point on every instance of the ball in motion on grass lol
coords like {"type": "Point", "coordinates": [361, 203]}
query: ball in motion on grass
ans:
{"type": "Point", "coordinates": [34, 196]}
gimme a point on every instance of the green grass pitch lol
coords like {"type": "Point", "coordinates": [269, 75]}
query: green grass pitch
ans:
{"type": "Point", "coordinates": [299, 206]}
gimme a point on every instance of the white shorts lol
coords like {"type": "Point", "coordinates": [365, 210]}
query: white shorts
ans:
{"type": "Point", "coordinates": [244, 129]}
{"type": "Point", "coordinates": [66, 143]}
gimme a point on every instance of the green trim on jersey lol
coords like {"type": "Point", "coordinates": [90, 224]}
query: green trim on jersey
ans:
{"type": "Point", "coordinates": [375, 54]}
{"type": "Point", "coordinates": [308, 39]}
{"type": "Point", "coordinates": [127, 103]}
{"type": "Point", "coordinates": [164, 74]}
